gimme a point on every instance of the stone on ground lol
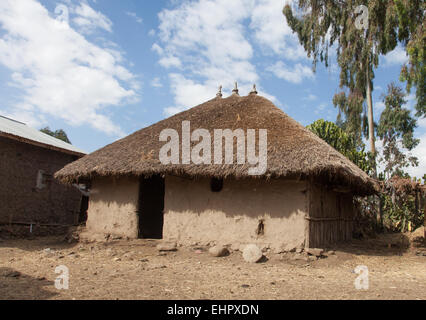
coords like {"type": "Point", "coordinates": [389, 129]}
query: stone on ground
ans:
{"type": "Point", "coordinates": [252, 253]}
{"type": "Point", "coordinates": [167, 246]}
{"type": "Point", "coordinates": [218, 251]}
{"type": "Point", "coordinates": [314, 251]}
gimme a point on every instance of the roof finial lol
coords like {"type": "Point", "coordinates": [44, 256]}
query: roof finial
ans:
{"type": "Point", "coordinates": [219, 92]}
{"type": "Point", "coordinates": [253, 91]}
{"type": "Point", "coordinates": [235, 91]}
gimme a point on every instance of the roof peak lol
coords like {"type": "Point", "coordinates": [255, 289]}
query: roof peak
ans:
{"type": "Point", "coordinates": [235, 90]}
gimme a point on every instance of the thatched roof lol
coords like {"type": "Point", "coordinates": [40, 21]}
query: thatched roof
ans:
{"type": "Point", "coordinates": [293, 151]}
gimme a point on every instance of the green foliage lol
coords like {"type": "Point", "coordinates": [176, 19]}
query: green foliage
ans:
{"type": "Point", "coordinates": [322, 25]}
{"type": "Point", "coordinates": [396, 130]}
{"type": "Point", "coordinates": [411, 32]}
{"type": "Point", "coordinates": [352, 116]}
{"type": "Point", "coordinates": [402, 215]}
{"type": "Point", "coordinates": [327, 24]}
{"type": "Point", "coordinates": [58, 134]}
{"type": "Point", "coordinates": [342, 142]}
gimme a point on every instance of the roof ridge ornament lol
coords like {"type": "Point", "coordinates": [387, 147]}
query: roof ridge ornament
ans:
{"type": "Point", "coordinates": [219, 92]}
{"type": "Point", "coordinates": [235, 91]}
{"type": "Point", "coordinates": [253, 91]}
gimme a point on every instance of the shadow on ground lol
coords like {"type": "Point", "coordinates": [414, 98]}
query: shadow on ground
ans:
{"type": "Point", "coordinates": [392, 244]}
{"type": "Point", "coordinates": [18, 286]}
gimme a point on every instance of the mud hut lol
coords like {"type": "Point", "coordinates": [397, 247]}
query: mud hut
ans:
{"type": "Point", "coordinates": [303, 198]}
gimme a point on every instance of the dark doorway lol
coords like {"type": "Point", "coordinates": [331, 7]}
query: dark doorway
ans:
{"type": "Point", "coordinates": [151, 207]}
{"type": "Point", "coordinates": [82, 217]}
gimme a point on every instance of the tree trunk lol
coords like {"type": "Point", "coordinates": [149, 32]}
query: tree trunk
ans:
{"type": "Point", "coordinates": [371, 137]}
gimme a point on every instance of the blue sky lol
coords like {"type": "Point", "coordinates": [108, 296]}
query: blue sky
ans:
{"type": "Point", "coordinates": [103, 69]}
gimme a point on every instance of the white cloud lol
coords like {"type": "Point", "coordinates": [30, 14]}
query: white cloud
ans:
{"type": "Point", "coordinates": [320, 108]}
{"type": "Point", "coordinates": [420, 151]}
{"type": "Point", "coordinates": [396, 57]}
{"type": "Point", "coordinates": [379, 106]}
{"type": "Point", "coordinates": [88, 19]}
{"type": "Point", "coordinates": [134, 16]}
{"type": "Point", "coordinates": [170, 61]}
{"type": "Point", "coordinates": [187, 93]}
{"type": "Point", "coordinates": [212, 41]}
{"type": "Point", "coordinates": [156, 83]}
{"type": "Point", "coordinates": [272, 32]}
{"type": "Point", "coordinates": [310, 97]}
{"type": "Point", "coordinates": [59, 72]}
{"type": "Point", "coordinates": [296, 74]}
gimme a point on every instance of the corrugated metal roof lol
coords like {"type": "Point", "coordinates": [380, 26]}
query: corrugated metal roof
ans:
{"type": "Point", "coordinates": [19, 129]}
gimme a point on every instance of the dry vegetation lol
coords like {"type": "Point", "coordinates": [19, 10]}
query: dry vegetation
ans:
{"type": "Point", "coordinates": [134, 269]}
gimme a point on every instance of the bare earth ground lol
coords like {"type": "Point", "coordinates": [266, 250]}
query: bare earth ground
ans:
{"type": "Point", "coordinates": [134, 269]}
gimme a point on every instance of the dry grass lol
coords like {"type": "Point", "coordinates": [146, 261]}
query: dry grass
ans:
{"type": "Point", "coordinates": [293, 151]}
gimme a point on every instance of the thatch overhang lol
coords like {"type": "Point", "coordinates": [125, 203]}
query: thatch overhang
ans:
{"type": "Point", "coordinates": [293, 151]}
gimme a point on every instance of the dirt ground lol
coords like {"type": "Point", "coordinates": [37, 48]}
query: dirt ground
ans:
{"type": "Point", "coordinates": [135, 269]}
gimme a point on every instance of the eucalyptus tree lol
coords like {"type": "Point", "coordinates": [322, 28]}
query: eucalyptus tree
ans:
{"type": "Point", "coordinates": [396, 130]}
{"type": "Point", "coordinates": [359, 31]}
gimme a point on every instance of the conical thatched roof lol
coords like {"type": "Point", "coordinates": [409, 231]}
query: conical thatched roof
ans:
{"type": "Point", "coordinates": [293, 151]}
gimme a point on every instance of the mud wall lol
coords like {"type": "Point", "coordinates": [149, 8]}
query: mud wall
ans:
{"type": "Point", "coordinates": [195, 214]}
{"type": "Point", "coordinates": [20, 199]}
{"type": "Point", "coordinates": [113, 207]}
{"type": "Point", "coordinates": [331, 216]}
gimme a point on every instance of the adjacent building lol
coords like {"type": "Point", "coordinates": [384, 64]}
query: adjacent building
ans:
{"type": "Point", "coordinates": [29, 194]}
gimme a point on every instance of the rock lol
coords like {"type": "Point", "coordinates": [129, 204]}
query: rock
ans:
{"type": "Point", "coordinates": [252, 253]}
{"type": "Point", "coordinates": [265, 248]}
{"type": "Point", "coordinates": [421, 254]}
{"type": "Point", "coordinates": [331, 253]}
{"type": "Point", "coordinates": [314, 252]}
{"type": "Point", "coordinates": [312, 258]}
{"type": "Point", "coordinates": [299, 257]}
{"type": "Point", "coordinates": [218, 251]}
{"type": "Point", "coordinates": [117, 259]}
{"type": "Point", "coordinates": [48, 252]}
{"type": "Point", "coordinates": [167, 246]}
{"type": "Point", "coordinates": [299, 250]}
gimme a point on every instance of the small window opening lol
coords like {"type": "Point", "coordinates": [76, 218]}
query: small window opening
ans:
{"type": "Point", "coordinates": [260, 228]}
{"type": "Point", "coordinates": [216, 184]}
{"type": "Point", "coordinates": [43, 179]}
